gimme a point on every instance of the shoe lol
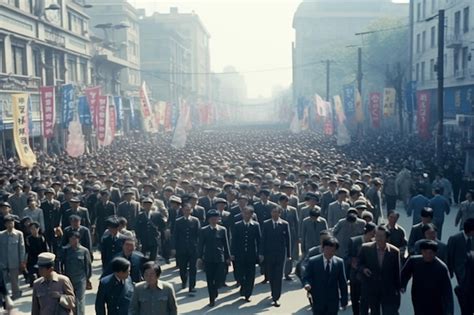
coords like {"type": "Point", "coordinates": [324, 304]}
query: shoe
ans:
{"type": "Point", "coordinates": [247, 299]}
{"type": "Point", "coordinates": [193, 290]}
{"type": "Point", "coordinates": [183, 286]}
{"type": "Point", "coordinates": [265, 281]}
{"type": "Point", "coordinates": [276, 304]}
{"type": "Point", "coordinates": [212, 304]}
{"type": "Point", "coordinates": [288, 278]}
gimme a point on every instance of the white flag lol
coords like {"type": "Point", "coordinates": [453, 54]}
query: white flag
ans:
{"type": "Point", "coordinates": [321, 106]}
{"type": "Point", "coordinates": [180, 134]}
{"type": "Point", "coordinates": [343, 137]}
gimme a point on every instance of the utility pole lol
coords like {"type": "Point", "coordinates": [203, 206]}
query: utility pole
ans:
{"type": "Point", "coordinates": [440, 72]}
{"type": "Point", "coordinates": [328, 73]}
{"type": "Point", "coordinates": [410, 75]}
{"type": "Point", "coordinates": [360, 130]}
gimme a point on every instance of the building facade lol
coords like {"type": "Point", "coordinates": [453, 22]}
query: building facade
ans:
{"type": "Point", "coordinates": [325, 27]}
{"type": "Point", "coordinates": [195, 39]}
{"type": "Point", "coordinates": [42, 43]}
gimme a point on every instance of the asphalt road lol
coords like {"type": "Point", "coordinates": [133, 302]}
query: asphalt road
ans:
{"type": "Point", "coordinates": [293, 299]}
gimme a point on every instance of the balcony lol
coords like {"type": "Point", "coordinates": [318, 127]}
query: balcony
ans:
{"type": "Point", "coordinates": [454, 40]}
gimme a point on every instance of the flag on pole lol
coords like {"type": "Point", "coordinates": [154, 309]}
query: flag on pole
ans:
{"type": "Point", "coordinates": [180, 134]}
{"type": "Point", "coordinates": [20, 130]}
{"type": "Point", "coordinates": [389, 95]}
{"type": "Point", "coordinates": [359, 110]}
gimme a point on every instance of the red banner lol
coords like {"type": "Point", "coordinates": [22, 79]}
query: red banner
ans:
{"type": "Point", "coordinates": [168, 114]}
{"type": "Point", "coordinates": [375, 110]}
{"type": "Point", "coordinates": [144, 101]}
{"type": "Point", "coordinates": [328, 126]}
{"type": "Point", "coordinates": [49, 110]}
{"type": "Point", "coordinates": [93, 95]}
{"type": "Point", "coordinates": [112, 122]}
{"type": "Point", "coordinates": [423, 114]}
{"type": "Point", "coordinates": [102, 119]}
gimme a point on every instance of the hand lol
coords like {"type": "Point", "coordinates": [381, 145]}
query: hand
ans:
{"type": "Point", "coordinates": [367, 272]}
{"type": "Point", "coordinates": [89, 285]}
{"type": "Point", "coordinates": [22, 266]}
{"type": "Point", "coordinates": [307, 287]}
{"type": "Point", "coordinates": [344, 307]}
{"type": "Point", "coordinates": [260, 257]}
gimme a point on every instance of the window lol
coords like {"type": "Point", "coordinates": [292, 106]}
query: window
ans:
{"type": "Point", "coordinates": [424, 9]}
{"type": "Point", "coordinates": [456, 61]}
{"type": "Point", "coordinates": [37, 62]}
{"type": "Point", "coordinates": [59, 67]}
{"type": "Point", "coordinates": [19, 59]}
{"type": "Point", "coordinates": [457, 23]}
{"type": "Point", "coordinates": [83, 70]}
{"type": "Point", "coordinates": [417, 72]}
{"type": "Point", "coordinates": [432, 72]}
{"type": "Point", "coordinates": [433, 6]}
{"type": "Point", "coordinates": [2, 56]}
{"type": "Point", "coordinates": [75, 23]}
{"type": "Point", "coordinates": [418, 12]}
{"type": "Point", "coordinates": [465, 25]}
{"type": "Point", "coordinates": [71, 69]}
{"type": "Point", "coordinates": [423, 41]}
{"type": "Point", "coordinates": [433, 37]}
{"type": "Point", "coordinates": [418, 43]}
{"type": "Point", "coordinates": [465, 57]}
{"type": "Point", "coordinates": [422, 71]}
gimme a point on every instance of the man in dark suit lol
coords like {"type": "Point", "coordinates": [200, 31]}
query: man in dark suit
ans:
{"type": "Point", "coordinates": [185, 241]}
{"type": "Point", "coordinates": [459, 245]}
{"type": "Point", "coordinates": [379, 264]}
{"type": "Point", "coordinates": [326, 280]}
{"type": "Point", "coordinates": [75, 226]}
{"type": "Point", "coordinates": [207, 201]}
{"type": "Point", "coordinates": [440, 205]}
{"type": "Point", "coordinates": [103, 209]}
{"type": "Point", "coordinates": [416, 233]}
{"type": "Point", "coordinates": [76, 209]}
{"type": "Point", "coordinates": [244, 250]}
{"type": "Point", "coordinates": [328, 197]}
{"type": "Point", "coordinates": [213, 251]}
{"type": "Point", "coordinates": [115, 290]}
{"type": "Point", "coordinates": [196, 210]}
{"type": "Point", "coordinates": [264, 207]}
{"type": "Point", "coordinates": [290, 215]}
{"type": "Point", "coordinates": [374, 196]}
{"type": "Point", "coordinates": [129, 208]}
{"type": "Point", "coordinates": [111, 244]}
{"type": "Point", "coordinates": [114, 192]}
{"type": "Point", "coordinates": [275, 247]}
{"type": "Point", "coordinates": [465, 290]}
{"type": "Point", "coordinates": [52, 218]}
{"type": "Point", "coordinates": [149, 226]}
{"type": "Point", "coordinates": [136, 259]}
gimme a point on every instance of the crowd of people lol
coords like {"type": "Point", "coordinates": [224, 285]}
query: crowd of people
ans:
{"type": "Point", "coordinates": [258, 201]}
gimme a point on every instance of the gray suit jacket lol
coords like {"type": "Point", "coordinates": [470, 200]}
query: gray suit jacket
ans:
{"type": "Point", "coordinates": [310, 232]}
{"type": "Point", "coordinates": [12, 249]}
{"type": "Point", "coordinates": [336, 212]}
{"type": "Point", "coordinates": [457, 255]}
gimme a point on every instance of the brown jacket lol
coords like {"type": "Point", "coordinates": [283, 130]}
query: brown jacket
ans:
{"type": "Point", "coordinates": [45, 301]}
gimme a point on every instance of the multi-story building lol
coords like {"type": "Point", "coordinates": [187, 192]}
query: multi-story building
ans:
{"type": "Point", "coordinates": [325, 27]}
{"type": "Point", "coordinates": [165, 60]}
{"type": "Point", "coordinates": [41, 43]}
{"type": "Point", "coordinates": [458, 66]}
{"type": "Point", "coordinates": [116, 51]}
{"type": "Point", "coordinates": [195, 38]}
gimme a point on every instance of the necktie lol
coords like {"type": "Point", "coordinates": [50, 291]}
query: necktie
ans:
{"type": "Point", "coordinates": [328, 267]}
{"type": "Point", "coordinates": [274, 225]}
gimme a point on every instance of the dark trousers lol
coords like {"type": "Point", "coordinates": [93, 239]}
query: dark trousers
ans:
{"type": "Point", "coordinates": [165, 248]}
{"type": "Point", "coordinates": [245, 271]}
{"type": "Point", "coordinates": [355, 295]}
{"type": "Point", "coordinates": [185, 261]}
{"type": "Point", "coordinates": [214, 274]}
{"type": "Point", "coordinates": [391, 202]}
{"type": "Point", "coordinates": [323, 312]}
{"type": "Point", "coordinates": [274, 273]}
{"type": "Point", "coordinates": [152, 249]}
{"type": "Point", "coordinates": [377, 306]}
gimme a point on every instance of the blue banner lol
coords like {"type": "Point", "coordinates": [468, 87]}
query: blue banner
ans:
{"type": "Point", "coordinates": [349, 99]}
{"type": "Point", "coordinates": [84, 111]}
{"type": "Point", "coordinates": [410, 96]}
{"type": "Point", "coordinates": [118, 111]}
{"type": "Point", "coordinates": [67, 103]}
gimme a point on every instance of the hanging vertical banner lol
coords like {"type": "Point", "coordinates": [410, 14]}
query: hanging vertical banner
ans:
{"type": "Point", "coordinates": [110, 135]}
{"type": "Point", "coordinates": [389, 95]}
{"type": "Point", "coordinates": [162, 112]}
{"type": "Point", "coordinates": [375, 109]}
{"type": "Point", "coordinates": [67, 103]}
{"type": "Point", "coordinates": [75, 145]}
{"type": "Point", "coordinates": [102, 117]}
{"type": "Point", "coordinates": [146, 107]}
{"type": "Point", "coordinates": [20, 130]}
{"type": "Point", "coordinates": [423, 114]}
{"type": "Point", "coordinates": [341, 117]}
{"type": "Point", "coordinates": [48, 110]}
{"type": "Point", "coordinates": [174, 114]}
{"type": "Point", "coordinates": [93, 95]}
{"type": "Point", "coordinates": [349, 99]}
{"type": "Point", "coordinates": [359, 110]}
{"type": "Point", "coordinates": [320, 106]}
{"type": "Point", "coordinates": [84, 111]}
{"type": "Point", "coordinates": [119, 110]}
{"type": "Point", "coordinates": [343, 136]}
{"type": "Point", "coordinates": [180, 134]}
{"type": "Point", "coordinates": [328, 120]}
{"type": "Point", "coordinates": [410, 96]}
{"type": "Point", "coordinates": [167, 121]}
{"type": "Point", "coordinates": [30, 117]}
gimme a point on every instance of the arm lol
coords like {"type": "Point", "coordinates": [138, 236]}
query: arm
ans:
{"type": "Point", "coordinates": [41, 218]}
{"type": "Point", "coordinates": [235, 238]}
{"type": "Point", "coordinates": [259, 237]}
{"type": "Point", "coordinates": [406, 274]}
{"type": "Point", "coordinates": [451, 254]}
{"type": "Point", "coordinates": [134, 307]}
{"type": "Point", "coordinates": [172, 305]}
{"type": "Point", "coordinates": [68, 293]}
{"type": "Point", "coordinates": [459, 215]}
{"type": "Point", "coordinates": [410, 208]}
{"type": "Point", "coordinates": [226, 246]}
{"type": "Point", "coordinates": [88, 264]}
{"type": "Point", "coordinates": [21, 249]}
{"type": "Point", "coordinates": [447, 294]}
{"type": "Point", "coordinates": [100, 300]}
{"type": "Point", "coordinates": [343, 285]}
{"type": "Point", "coordinates": [297, 223]}
{"type": "Point", "coordinates": [288, 241]}
{"type": "Point", "coordinates": [200, 248]}
{"type": "Point", "coordinates": [411, 243]}
{"type": "Point", "coordinates": [35, 308]}
{"type": "Point", "coordinates": [303, 237]}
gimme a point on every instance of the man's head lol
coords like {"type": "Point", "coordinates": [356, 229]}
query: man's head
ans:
{"type": "Point", "coordinates": [31, 201]}
{"type": "Point", "coordinates": [381, 236]}
{"type": "Point", "coordinates": [120, 267]}
{"type": "Point", "coordinates": [75, 221]}
{"type": "Point", "coordinates": [151, 273]}
{"type": "Point", "coordinates": [276, 212]}
{"type": "Point", "coordinates": [283, 201]}
{"type": "Point", "coordinates": [315, 213]}
{"type": "Point", "coordinates": [220, 204]}
{"type": "Point", "coordinates": [247, 213]}
{"type": "Point", "coordinates": [5, 208]}
{"type": "Point", "coordinates": [74, 239]}
{"type": "Point", "coordinates": [469, 227]}
{"type": "Point", "coordinates": [428, 250]}
{"type": "Point", "coordinates": [393, 217]}
{"type": "Point", "coordinates": [128, 246]}
{"type": "Point", "coordinates": [264, 194]}
{"type": "Point", "coordinates": [243, 201]}
{"type": "Point", "coordinates": [213, 217]}
{"type": "Point", "coordinates": [186, 209]}
{"type": "Point", "coordinates": [437, 191]}
{"type": "Point", "coordinates": [74, 202]}
{"type": "Point", "coordinates": [147, 203]}
{"type": "Point", "coordinates": [112, 225]}
{"type": "Point", "coordinates": [342, 194]}
{"type": "Point", "coordinates": [330, 246]}
{"type": "Point", "coordinates": [46, 264]}
{"type": "Point", "coordinates": [426, 215]}
{"type": "Point", "coordinates": [104, 195]}
{"type": "Point", "coordinates": [369, 230]}
{"type": "Point", "coordinates": [430, 231]}
{"type": "Point", "coordinates": [323, 235]}
{"type": "Point", "coordinates": [9, 222]}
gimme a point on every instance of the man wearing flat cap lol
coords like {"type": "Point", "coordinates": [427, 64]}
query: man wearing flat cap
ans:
{"type": "Point", "coordinates": [111, 244]}
{"type": "Point", "coordinates": [149, 227]}
{"type": "Point", "coordinates": [103, 209]}
{"type": "Point", "coordinates": [75, 208]}
{"type": "Point", "coordinates": [52, 217]}
{"type": "Point", "coordinates": [431, 288]}
{"type": "Point", "coordinates": [207, 201]}
{"type": "Point", "coordinates": [52, 293]}
{"type": "Point", "coordinates": [129, 209]}
{"type": "Point", "coordinates": [337, 210]}
{"type": "Point", "coordinates": [263, 208]}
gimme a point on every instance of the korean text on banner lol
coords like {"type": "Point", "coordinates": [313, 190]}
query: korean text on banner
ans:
{"type": "Point", "coordinates": [48, 110]}
{"type": "Point", "coordinates": [423, 114]}
{"type": "Point", "coordinates": [67, 99]}
{"type": "Point", "coordinates": [349, 99]}
{"type": "Point", "coordinates": [375, 109]}
{"type": "Point", "coordinates": [146, 106]}
{"type": "Point", "coordinates": [93, 95]}
{"type": "Point", "coordinates": [102, 119]}
{"type": "Point", "coordinates": [84, 111]}
{"type": "Point", "coordinates": [389, 95]}
{"type": "Point", "coordinates": [20, 127]}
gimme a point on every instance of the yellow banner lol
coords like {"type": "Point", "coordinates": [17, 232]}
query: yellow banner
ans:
{"type": "Point", "coordinates": [389, 95]}
{"type": "Point", "coordinates": [20, 130]}
{"type": "Point", "coordinates": [359, 111]}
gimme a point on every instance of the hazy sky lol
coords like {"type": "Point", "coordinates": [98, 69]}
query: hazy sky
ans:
{"type": "Point", "coordinates": [251, 35]}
